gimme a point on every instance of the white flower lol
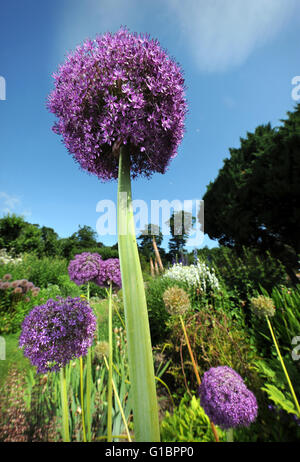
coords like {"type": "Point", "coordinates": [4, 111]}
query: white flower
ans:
{"type": "Point", "coordinates": [195, 276]}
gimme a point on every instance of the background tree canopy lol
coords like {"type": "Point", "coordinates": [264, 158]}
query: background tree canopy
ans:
{"type": "Point", "coordinates": [254, 201]}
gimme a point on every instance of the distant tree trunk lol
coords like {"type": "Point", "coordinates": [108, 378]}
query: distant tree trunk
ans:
{"type": "Point", "coordinates": [156, 267]}
{"type": "Point", "coordinates": [151, 267]}
{"type": "Point", "coordinates": [157, 254]}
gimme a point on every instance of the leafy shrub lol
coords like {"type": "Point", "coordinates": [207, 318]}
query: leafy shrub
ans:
{"type": "Point", "coordinates": [188, 423]}
{"type": "Point", "coordinates": [41, 271]}
{"type": "Point", "coordinates": [246, 271]}
{"type": "Point", "coordinates": [67, 287]}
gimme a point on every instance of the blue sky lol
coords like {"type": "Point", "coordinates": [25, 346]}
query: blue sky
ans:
{"type": "Point", "coordinates": [238, 56]}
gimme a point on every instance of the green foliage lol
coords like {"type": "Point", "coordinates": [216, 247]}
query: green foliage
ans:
{"type": "Point", "coordinates": [41, 271]}
{"type": "Point", "coordinates": [157, 312]}
{"type": "Point", "coordinates": [67, 287]}
{"type": "Point", "coordinates": [244, 272]}
{"type": "Point", "coordinates": [254, 200]}
{"type": "Point", "coordinates": [188, 423]}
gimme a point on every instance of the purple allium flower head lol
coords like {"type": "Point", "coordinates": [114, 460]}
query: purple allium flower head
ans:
{"type": "Point", "coordinates": [120, 88]}
{"type": "Point", "coordinates": [110, 272]}
{"type": "Point", "coordinates": [85, 267]}
{"type": "Point", "coordinates": [226, 399]}
{"type": "Point", "coordinates": [57, 332]}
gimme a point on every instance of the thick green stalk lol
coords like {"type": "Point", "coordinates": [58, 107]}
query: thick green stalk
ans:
{"type": "Point", "coordinates": [81, 399]}
{"type": "Point", "coordinates": [109, 385]}
{"type": "Point", "coordinates": [229, 435]}
{"type": "Point", "coordinates": [89, 383]}
{"type": "Point", "coordinates": [283, 366]}
{"type": "Point", "coordinates": [141, 370]}
{"type": "Point", "coordinates": [64, 405]}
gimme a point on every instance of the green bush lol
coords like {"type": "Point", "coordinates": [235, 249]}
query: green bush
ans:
{"type": "Point", "coordinates": [40, 271]}
{"type": "Point", "coordinates": [244, 272]}
{"type": "Point", "coordinates": [188, 423]}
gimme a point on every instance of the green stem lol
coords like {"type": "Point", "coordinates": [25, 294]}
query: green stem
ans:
{"type": "Point", "coordinates": [64, 405]}
{"type": "Point", "coordinates": [229, 435]}
{"type": "Point", "coordinates": [89, 382]}
{"type": "Point", "coordinates": [81, 398]}
{"type": "Point", "coordinates": [109, 385]}
{"type": "Point", "coordinates": [283, 366]}
{"type": "Point", "coordinates": [119, 404]}
{"type": "Point", "coordinates": [141, 370]}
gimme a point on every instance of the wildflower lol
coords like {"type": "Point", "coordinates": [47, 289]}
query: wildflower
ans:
{"type": "Point", "coordinates": [262, 306]}
{"type": "Point", "coordinates": [119, 89]}
{"type": "Point", "coordinates": [226, 399]}
{"type": "Point", "coordinates": [57, 332]}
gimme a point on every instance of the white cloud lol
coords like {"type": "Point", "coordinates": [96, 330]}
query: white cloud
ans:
{"type": "Point", "coordinates": [8, 202]}
{"type": "Point", "coordinates": [223, 33]}
{"type": "Point", "coordinates": [218, 34]}
{"type": "Point", "coordinates": [12, 204]}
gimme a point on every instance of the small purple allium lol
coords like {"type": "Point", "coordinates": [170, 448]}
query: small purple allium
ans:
{"type": "Point", "coordinates": [226, 399]}
{"type": "Point", "coordinates": [85, 267]}
{"type": "Point", "coordinates": [57, 332]}
{"type": "Point", "coordinates": [119, 89]}
{"type": "Point", "coordinates": [110, 272]}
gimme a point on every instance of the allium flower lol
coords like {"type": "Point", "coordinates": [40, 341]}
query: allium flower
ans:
{"type": "Point", "coordinates": [120, 88]}
{"type": "Point", "coordinates": [176, 300]}
{"type": "Point", "coordinates": [85, 267]}
{"type": "Point", "coordinates": [226, 399]}
{"type": "Point", "coordinates": [110, 272]}
{"type": "Point", "coordinates": [101, 349]}
{"type": "Point", "coordinates": [6, 277]}
{"type": "Point", "coordinates": [262, 306]}
{"type": "Point", "coordinates": [57, 332]}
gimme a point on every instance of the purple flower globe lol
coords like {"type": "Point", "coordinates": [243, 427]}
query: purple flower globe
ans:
{"type": "Point", "coordinates": [110, 273]}
{"type": "Point", "coordinates": [85, 267]}
{"type": "Point", "coordinates": [57, 332]}
{"type": "Point", "coordinates": [119, 89]}
{"type": "Point", "coordinates": [226, 399]}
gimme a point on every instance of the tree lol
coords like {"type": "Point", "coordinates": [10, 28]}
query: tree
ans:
{"type": "Point", "coordinates": [254, 201]}
{"type": "Point", "coordinates": [50, 239]}
{"type": "Point", "coordinates": [146, 239]}
{"type": "Point", "coordinates": [180, 224]}
{"type": "Point", "coordinates": [86, 237]}
{"type": "Point", "coordinates": [30, 240]}
{"type": "Point", "coordinates": [11, 227]}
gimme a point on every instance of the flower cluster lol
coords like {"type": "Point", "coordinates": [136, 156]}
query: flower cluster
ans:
{"type": "Point", "coordinates": [5, 258]}
{"type": "Point", "coordinates": [194, 276]}
{"type": "Point", "coordinates": [262, 306]}
{"type": "Point", "coordinates": [176, 300]}
{"type": "Point", "coordinates": [226, 399]}
{"type": "Point", "coordinates": [18, 287]}
{"type": "Point", "coordinates": [85, 267]}
{"type": "Point", "coordinates": [120, 88]}
{"type": "Point", "coordinates": [57, 332]}
{"type": "Point", "coordinates": [110, 273]}
{"type": "Point", "coordinates": [88, 267]}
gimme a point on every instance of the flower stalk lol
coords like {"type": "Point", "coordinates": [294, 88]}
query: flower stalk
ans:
{"type": "Point", "coordinates": [141, 369]}
{"type": "Point", "coordinates": [64, 405]}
